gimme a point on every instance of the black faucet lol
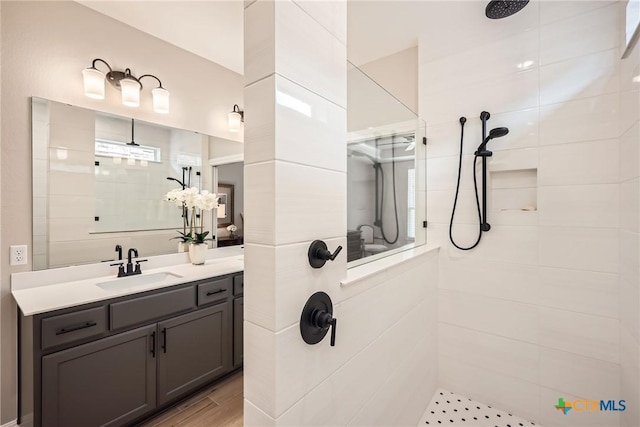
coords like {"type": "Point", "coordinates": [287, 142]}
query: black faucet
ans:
{"type": "Point", "coordinates": [130, 270]}
{"type": "Point", "coordinates": [119, 250]}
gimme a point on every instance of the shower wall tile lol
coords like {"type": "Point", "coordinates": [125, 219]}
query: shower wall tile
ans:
{"type": "Point", "coordinates": [285, 277]}
{"type": "Point", "coordinates": [299, 112]}
{"type": "Point", "coordinates": [513, 92]}
{"type": "Point", "coordinates": [629, 308]}
{"type": "Point", "coordinates": [488, 315]}
{"type": "Point", "coordinates": [301, 190]}
{"type": "Point", "coordinates": [582, 120]}
{"type": "Point", "coordinates": [260, 125]}
{"type": "Point", "coordinates": [302, 112]}
{"type": "Point", "coordinates": [442, 173]}
{"type": "Point", "coordinates": [551, 11]}
{"type": "Point", "coordinates": [502, 391]}
{"type": "Point", "coordinates": [582, 376]}
{"type": "Point", "coordinates": [630, 205]}
{"type": "Point", "coordinates": [580, 291]}
{"type": "Point", "coordinates": [490, 352]}
{"type": "Point", "coordinates": [586, 33]}
{"type": "Point", "coordinates": [630, 153]}
{"type": "Point", "coordinates": [629, 108]}
{"type": "Point", "coordinates": [592, 249]}
{"type": "Point", "coordinates": [509, 55]}
{"type": "Point", "coordinates": [324, 71]}
{"type": "Point", "coordinates": [578, 205]}
{"type": "Point", "coordinates": [259, 43]}
{"type": "Point", "coordinates": [592, 336]}
{"type": "Point", "coordinates": [332, 16]}
{"type": "Point", "coordinates": [252, 416]}
{"type": "Point", "coordinates": [630, 380]}
{"type": "Point", "coordinates": [566, 81]}
{"type": "Point", "coordinates": [593, 162]}
{"type": "Point", "coordinates": [513, 282]}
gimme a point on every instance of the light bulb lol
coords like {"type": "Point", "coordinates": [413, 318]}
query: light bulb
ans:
{"type": "Point", "coordinates": [93, 83]}
{"type": "Point", "coordinates": [160, 100]}
{"type": "Point", "coordinates": [234, 121]}
{"type": "Point", "coordinates": [130, 92]}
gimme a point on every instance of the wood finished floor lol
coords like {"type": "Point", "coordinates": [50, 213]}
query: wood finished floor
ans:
{"type": "Point", "coordinates": [217, 405]}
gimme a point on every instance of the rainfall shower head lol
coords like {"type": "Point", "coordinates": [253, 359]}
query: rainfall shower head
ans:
{"type": "Point", "coordinates": [498, 9]}
{"type": "Point", "coordinates": [494, 133]}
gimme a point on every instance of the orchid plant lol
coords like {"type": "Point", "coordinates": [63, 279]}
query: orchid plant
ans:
{"type": "Point", "coordinates": [195, 202]}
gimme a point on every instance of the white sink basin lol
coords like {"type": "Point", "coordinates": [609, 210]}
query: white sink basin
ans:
{"type": "Point", "coordinates": [133, 282]}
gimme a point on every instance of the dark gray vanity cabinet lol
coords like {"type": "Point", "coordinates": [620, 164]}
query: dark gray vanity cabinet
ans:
{"type": "Point", "coordinates": [104, 383]}
{"type": "Point", "coordinates": [115, 362]}
{"type": "Point", "coordinates": [193, 350]}
{"type": "Point", "coordinates": [238, 318]}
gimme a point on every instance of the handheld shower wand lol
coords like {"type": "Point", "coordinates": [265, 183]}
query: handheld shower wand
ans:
{"type": "Point", "coordinates": [483, 153]}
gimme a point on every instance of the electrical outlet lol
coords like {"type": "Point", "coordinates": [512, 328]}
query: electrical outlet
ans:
{"type": "Point", "coordinates": [18, 254]}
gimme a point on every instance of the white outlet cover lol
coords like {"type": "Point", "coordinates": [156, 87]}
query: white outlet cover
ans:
{"type": "Point", "coordinates": [18, 255]}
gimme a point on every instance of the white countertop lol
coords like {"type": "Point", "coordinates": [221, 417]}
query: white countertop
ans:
{"type": "Point", "coordinates": [47, 290]}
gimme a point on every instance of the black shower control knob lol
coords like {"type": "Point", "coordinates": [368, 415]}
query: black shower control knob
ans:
{"type": "Point", "coordinates": [317, 318]}
{"type": "Point", "coordinates": [319, 254]}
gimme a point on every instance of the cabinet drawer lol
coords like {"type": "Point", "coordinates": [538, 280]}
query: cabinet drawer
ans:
{"type": "Point", "coordinates": [146, 309]}
{"type": "Point", "coordinates": [214, 291]}
{"type": "Point", "coordinates": [238, 285]}
{"type": "Point", "coordinates": [71, 327]}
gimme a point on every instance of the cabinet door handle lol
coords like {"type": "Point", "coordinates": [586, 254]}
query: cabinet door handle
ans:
{"type": "Point", "coordinates": [75, 328]}
{"type": "Point", "coordinates": [153, 344]}
{"type": "Point", "coordinates": [219, 291]}
{"type": "Point", "coordinates": [164, 340]}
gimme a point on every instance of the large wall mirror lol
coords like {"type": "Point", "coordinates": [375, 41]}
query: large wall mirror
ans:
{"type": "Point", "coordinates": [100, 180]}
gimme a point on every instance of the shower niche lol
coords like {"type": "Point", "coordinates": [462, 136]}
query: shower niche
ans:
{"type": "Point", "coordinates": [514, 196]}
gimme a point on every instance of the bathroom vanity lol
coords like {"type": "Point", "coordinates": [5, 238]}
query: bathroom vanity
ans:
{"type": "Point", "coordinates": [120, 359]}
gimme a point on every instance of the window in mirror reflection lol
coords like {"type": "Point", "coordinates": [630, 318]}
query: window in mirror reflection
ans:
{"type": "Point", "coordinates": [381, 195]}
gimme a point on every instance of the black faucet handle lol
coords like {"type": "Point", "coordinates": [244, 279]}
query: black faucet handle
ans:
{"type": "Point", "coordinates": [335, 254]}
{"type": "Point", "coordinates": [138, 270]}
{"type": "Point", "coordinates": [319, 254]}
{"type": "Point", "coordinates": [120, 265]}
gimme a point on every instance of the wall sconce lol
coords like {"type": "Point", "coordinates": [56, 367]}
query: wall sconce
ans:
{"type": "Point", "coordinates": [129, 85]}
{"type": "Point", "coordinates": [235, 118]}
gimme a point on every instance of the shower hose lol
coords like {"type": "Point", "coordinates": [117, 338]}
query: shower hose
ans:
{"type": "Point", "coordinates": [463, 120]}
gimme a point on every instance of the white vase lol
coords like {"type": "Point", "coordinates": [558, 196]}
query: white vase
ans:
{"type": "Point", "coordinates": [183, 247]}
{"type": "Point", "coordinates": [198, 253]}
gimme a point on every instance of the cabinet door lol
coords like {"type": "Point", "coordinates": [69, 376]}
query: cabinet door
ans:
{"type": "Point", "coordinates": [238, 309]}
{"type": "Point", "coordinates": [193, 349]}
{"type": "Point", "coordinates": [104, 383]}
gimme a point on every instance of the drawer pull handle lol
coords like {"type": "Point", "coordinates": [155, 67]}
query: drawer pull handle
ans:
{"type": "Point", "coordinates": [219, 291]}
{"type": "Point", "coordinates": [153, 344]}
{"type": "Point", "coordinates": [76, 328]}
{"type": "Point", "coordinates": [164, 340]}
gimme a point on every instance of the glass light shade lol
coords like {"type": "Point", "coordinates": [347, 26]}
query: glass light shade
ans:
{"type": "Point", "coordinates": [160, 100]}
{"type": "Point", "coordinates": [130, 92]}
{"type": "Point", "coordinates": [93, 83]}
{"type": "Point", "coordinates": [234, 121]}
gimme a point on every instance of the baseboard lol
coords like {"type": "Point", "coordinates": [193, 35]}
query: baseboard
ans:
{"type": "Point", "coordinates": [13, 423]}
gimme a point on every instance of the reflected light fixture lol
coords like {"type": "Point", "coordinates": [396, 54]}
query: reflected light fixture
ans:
{"type": "Point", "coordinates": [129, 85]}
{"type": "Point", "coordinates": [235, 118]}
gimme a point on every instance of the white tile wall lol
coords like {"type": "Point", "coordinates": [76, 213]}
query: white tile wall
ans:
{"type": "Point", "coordinates": [296, 192]}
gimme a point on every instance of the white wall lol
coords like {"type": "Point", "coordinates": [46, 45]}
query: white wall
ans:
{"type": "Point", "coordinates": [382, 370]}
{"type": "Point", "coordinates": [532, 313]}
{"type": "Point", "coordinates": [397, 73]}
{"type": "Point", "coordinates": [45, 46]}
{"type": "Point", "coordinates": [629, 244]}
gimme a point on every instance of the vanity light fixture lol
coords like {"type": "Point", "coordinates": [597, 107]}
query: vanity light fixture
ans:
{"type": "Point", "coordinates": [129, 85]}
{"type": "Point", "coordinates": [235, 118]}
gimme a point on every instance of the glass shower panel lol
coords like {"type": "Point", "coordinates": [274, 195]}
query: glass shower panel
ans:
{"type": "Point", "coordinates": [386, 166]}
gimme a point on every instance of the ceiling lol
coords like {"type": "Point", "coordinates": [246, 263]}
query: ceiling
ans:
{"type": "Point", "coordinates": [214, 29]}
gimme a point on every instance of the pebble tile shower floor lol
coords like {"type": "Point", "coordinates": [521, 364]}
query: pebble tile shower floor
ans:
{"type": "Point", "coordinates": [451, 409]}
